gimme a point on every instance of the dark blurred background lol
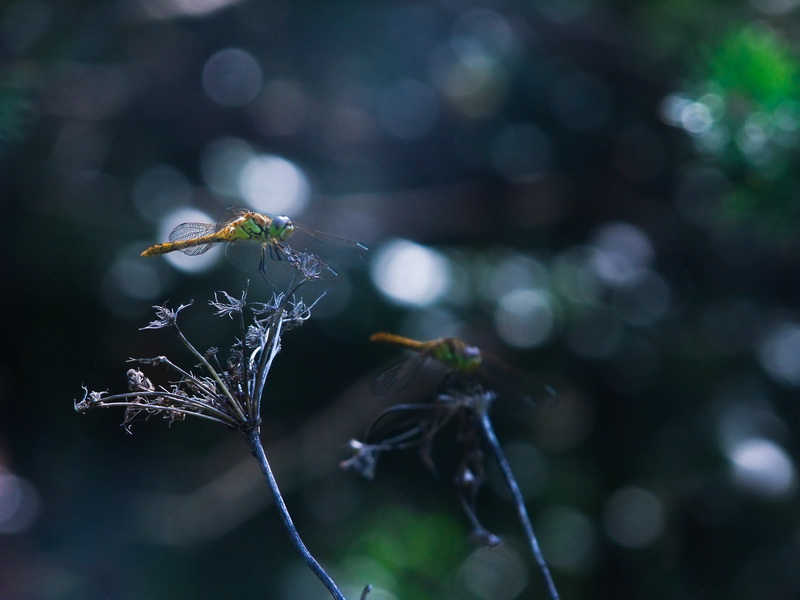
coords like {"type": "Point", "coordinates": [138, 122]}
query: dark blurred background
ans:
{"type": "Point", "coordinates": [602, 193]}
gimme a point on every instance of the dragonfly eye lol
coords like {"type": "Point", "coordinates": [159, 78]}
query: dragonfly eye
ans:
{"type": "Point", "coordinates": [472, 352]}
{"type": "Point", "coordinates": [470, 358]}
{"type": "Point", "coordinates": [281, 228]}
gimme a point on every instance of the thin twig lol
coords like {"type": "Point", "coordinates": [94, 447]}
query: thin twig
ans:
{"type": "Point", "coordinates": [269, 350]}
{"type": "Point", "coordinates": [233, 402]}
{"type": "Point", "coordinates": [511, 482]}
{"type": "Point", "coordinates": [157, 360]}
{"type": "Point", "coordinates": [257, 447]}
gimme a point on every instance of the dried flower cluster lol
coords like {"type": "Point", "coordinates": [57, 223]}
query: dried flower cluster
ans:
{"type": "Point", "coordinates": [416, 425]}
{"type": "Point", "coordinates": [228, 393]}
{"type": "Point", "coordinates": [461, 400]}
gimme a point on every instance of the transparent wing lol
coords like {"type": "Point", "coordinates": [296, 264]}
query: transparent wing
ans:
{"type": "Point", "coordinates": [246, 256]}
{"type": "Point", "coordinates": [189, 231]}
{"type": "Point", "coordinates": [514, 384]}
{"type": "Point", "coordinates": [399, 377]}
{"type": "Point", "coordinates": [198, 249]}
{"type": "Point", "coordinates": [331, 249]}
{"type": "Point", "coordinates": [229, 216]}
{"type": "Point", "coordinates": [399, 424]}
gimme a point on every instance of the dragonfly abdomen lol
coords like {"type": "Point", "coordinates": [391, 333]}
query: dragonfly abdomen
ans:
{"type": "Point", "coordinates": [191, 247]}
{"type": "Point", "coordinates": [398, 340]}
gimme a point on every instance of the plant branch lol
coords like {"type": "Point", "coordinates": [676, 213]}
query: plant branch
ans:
{"type": "Point", "coordinates": [233, 402]}
{"type": "Point", "coordinates": [254, 438]}
{"type": "Point", "coordinates": [522, 513]}
{"type": "Point", "coordinates": [268, 351]}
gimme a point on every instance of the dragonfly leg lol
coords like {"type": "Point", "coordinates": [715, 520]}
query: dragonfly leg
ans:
{"type": "Point", "coordinates": [276, 251]}
{"type": "Point", "coordinates": [262, 268]}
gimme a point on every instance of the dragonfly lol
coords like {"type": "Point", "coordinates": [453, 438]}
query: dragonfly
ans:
{"type": "Point", "coordinates": [463, 362]}
{"type": "Point", "coordinates": [272, 233]}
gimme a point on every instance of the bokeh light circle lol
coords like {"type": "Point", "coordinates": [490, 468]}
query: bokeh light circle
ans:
{"type": "Point", "coordinates": [273, 185]}
{"type": "Point", "coordinates": [159, 190]}
{"type": "Point", "coordinates": [494, 573]}
{"type": "Point", "coordinates": [232, 77]}
{"type": "Point", "coordinates": [410, 274]}
{"type": "Point", "coordinates": [222, 164]}
{"type": "Point", "coordinates": [19, 503]}
{"type": "Point", "coordinates": [179, 260]}
{"type": "Point", "coordinates": [779, 352]}
{"type": "Point", "coordinates": [633, 517]}
{"type": "Point", "coordinates": [762, 467]}
{"type": "Point", "coordinates": [568, 538]}
{"type": "Point", "coordinates": [524, 318]}
{"type": "Point", "coordinates": [623, 250]}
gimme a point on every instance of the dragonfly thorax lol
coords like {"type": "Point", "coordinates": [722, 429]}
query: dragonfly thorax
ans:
{"type": "Point", "coordinates": [458, 354]}
{"type": "Point", "coordinates": [255, 226]}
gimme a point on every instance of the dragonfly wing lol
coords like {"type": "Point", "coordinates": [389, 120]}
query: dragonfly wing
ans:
{"type": "Point", "coordinates": [189, 231]}
{"type": "Point", "coordinates": [198, 249]}
{"type": "Point", "coordinates": [397, 378]}
{"type": "Point", "coordinates": [398, 423]}
{"type": "Point", "coordinates": [330, 248]}
{"type": "Point", "coordinates": [510, 382]}
{"type": "Point", "coordinates": [281, 251]}
{"type": "Point", "coordinates": [229, 216]}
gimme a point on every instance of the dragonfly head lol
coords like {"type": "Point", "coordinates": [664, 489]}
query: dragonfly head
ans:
{"type": "Point", "coordinates": [459, 355]}
{"type": "Point", "coordinates": [471, 357]}
{"type": "Point", "coordinates": [281, 228]}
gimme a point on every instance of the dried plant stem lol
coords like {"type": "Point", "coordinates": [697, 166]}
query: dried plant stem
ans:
{"type": "Point", "coordinates": [522, 513]}
{"type": "Point", "coordinates": [267, 353]}
{"type": "Point", "coordinates": [254, 438]}
{"type": "Point", "coordinates": [231, 395]}
{"type": "Point", "coordinates": [233, 402]}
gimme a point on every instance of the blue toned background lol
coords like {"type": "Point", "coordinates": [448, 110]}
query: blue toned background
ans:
{"type": "Point", "coordinates": [602, 193]}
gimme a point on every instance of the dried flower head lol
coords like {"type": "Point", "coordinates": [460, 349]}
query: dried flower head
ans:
{"type": "Point", "coordinates": [363, 459]}
{"type": "Point", "coordinates": [467, 403]}
{"type": "Point", "coordinates": [229, 306]}
{"type": "Point", "coordinates": [165, 317]}
{"type": "Point", "coordinates": [229, 393]}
